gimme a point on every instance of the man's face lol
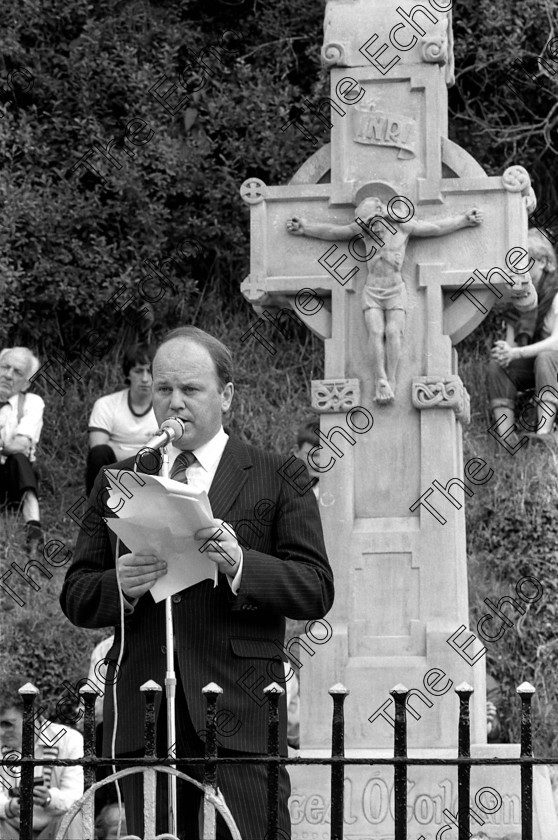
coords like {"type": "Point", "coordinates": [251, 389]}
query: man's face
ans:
{"type": "Point", "coordinates": [13, 373]}
{"type": "Point", "coordinates": [185, 385]}
{"type": "Point", "coordinates": [140, 380]}
{"type": "Point", "coordinates": [302, 453]}
{"type": "Point", "coordinates": [11, 722]}
{"type": "Point", "coordinates": [537, 270]}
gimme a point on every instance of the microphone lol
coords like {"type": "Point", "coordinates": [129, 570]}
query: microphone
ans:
{"type": "Point", "coordinates": [171, 429]}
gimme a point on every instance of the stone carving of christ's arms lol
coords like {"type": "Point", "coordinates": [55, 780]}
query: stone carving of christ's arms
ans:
{"type": "Point", "coordinates": [321, 230]}
{"type": "Point", "coordinates": [441, 227]}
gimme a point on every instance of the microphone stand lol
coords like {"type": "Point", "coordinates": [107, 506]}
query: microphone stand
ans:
{"type": "Point", "coordinates": [170, 689]}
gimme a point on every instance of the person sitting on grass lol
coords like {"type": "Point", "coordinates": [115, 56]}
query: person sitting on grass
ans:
{"type": "Point", "coordinates": [21, 421]}
{"type": "Point", "coordinates": [55, 788]}
{"type": "Point", "coordinates": [529, 358]}
{"type": "Point", "coordinates": [121, 424]}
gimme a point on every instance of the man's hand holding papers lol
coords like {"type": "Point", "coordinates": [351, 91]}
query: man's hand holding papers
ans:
{"type": "Point", "coordinates": [138, 572]}
{"type": "Point", "coordinates": [223, 547]}
{"type": "Point", "coordinates": [171, 534]}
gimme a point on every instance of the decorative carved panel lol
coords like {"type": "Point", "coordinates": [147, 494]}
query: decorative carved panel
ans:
{"type": "Point", "coordinates": [329, 395]}
{"type": "Point", "coordinates": [442, 392]}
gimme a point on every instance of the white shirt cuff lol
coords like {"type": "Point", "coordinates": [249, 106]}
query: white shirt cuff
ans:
{"type": "Point", "coordinates": [129, 604]}
{"type": "Point", "coordinates": [237, 579]}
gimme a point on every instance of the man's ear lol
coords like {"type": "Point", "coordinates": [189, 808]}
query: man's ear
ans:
{"type": "Point", "coordinates": [226, 396]}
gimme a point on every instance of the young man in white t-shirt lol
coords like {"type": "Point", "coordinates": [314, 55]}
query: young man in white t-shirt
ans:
{"type": "Point", "coordinates": [530, 358]}
{"type": "Point", "coordinates": [121, 424]}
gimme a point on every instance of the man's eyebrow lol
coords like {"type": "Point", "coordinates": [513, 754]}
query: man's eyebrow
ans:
{"type": "Point", "coordinates": [185, 383]}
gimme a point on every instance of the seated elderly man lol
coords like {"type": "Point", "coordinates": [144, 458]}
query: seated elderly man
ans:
{"type": "Point", "coordinates": [55, 788]}
{"type": "Point", "coordinates": [21, 421]}
{"type": "Point", "coordinates": [121, 424]}
{"type": "Point", "coordinates": [529, 358]}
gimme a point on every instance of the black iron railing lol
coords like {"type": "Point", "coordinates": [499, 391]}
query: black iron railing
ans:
{"type": "Point", "coordinates": [150, 764]}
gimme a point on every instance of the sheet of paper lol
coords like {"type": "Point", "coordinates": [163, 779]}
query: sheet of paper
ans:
{"type": "Point", "coordinates": [161, 515]}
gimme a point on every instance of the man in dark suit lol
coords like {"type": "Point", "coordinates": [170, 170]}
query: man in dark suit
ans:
{"type": "Point", "coordinates": [272, 564]}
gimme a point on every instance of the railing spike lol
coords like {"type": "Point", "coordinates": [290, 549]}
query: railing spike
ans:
{"type": "Point", "coordinates": [273, 688]}
{"type": "Point", "coordinates": [28, 688]}
{"type": "Point", "coordinates": [90, 689]}
{"type": "Point", "coordinates": [150, 685]}
{"type": "Point", "coordinates": [212, 688]}
{"type": "Point", "coordinates": [338, 688]}
{"type": "Point", "coordinates": [526, 688]}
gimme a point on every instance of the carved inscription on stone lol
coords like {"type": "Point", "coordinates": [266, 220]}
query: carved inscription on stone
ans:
{"type": "Point", "coordinates": [381, 128]}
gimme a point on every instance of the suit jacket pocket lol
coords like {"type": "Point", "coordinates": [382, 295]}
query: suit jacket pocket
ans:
{"type": "Point", "coordinates": [257, 649]}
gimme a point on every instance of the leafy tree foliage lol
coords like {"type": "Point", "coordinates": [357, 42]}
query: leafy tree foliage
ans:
{"type": "Point", "coordinates": [71, 238]}
{"type": "Point", "coordinates": [503, 106]}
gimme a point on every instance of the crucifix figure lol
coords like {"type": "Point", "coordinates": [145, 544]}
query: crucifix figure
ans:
{"type": "Point", "coordinates": [384, 296]}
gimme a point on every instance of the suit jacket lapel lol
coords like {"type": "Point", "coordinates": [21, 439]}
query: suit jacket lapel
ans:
{"type": "Point", "coordinates": [232, 473]}
{"type": "Point", "coordinates": [229, 479]}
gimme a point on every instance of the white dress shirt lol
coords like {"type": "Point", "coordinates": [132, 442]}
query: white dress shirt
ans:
{"type": "Point", "coordinates": [65, 783]}
{"type": "Point", "coordinates": [201, 473]}
{"type": "Point", "coordinates": [29, 425]}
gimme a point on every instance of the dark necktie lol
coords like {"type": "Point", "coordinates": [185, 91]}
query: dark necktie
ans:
{"type": "Point", "coordinates": [181, 464]}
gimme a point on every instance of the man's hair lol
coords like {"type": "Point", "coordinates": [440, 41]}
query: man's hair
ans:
{"type": "Point", "coordinates": [539, 246]}
{"type": "Point", "coordinates": [33, 363]}
{"type": "Point", "coordinates": [9, 692]}
{"type": "Point", "coordinates": [307, 432]}
{"type": "Point", "coordinates": [137, 354]}
{"type": "Point", "coordinates": [109, 816]}
{"type": "Point", "coordinates": [219, 352]}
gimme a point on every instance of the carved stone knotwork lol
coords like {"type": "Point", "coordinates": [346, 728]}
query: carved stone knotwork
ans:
{"type": "Point", "coordinates": [517, 179]}
{"type": "Point", "coordinates": [253, 191]}
{"type": "Point", "coordinates": [334, 54]}
{"type": "Point", "coordinates": [329, 395]}
{"type": "Point", "coordinates": [437, 47]}
{"type": "Point", "coordinates": [434, 50]}
{"type": "Point", "coordinates": [442, 392]}
{"type": "Point", "coordinates": [463, 414]}
{"type": "Point", "coordinates": [359, 33]}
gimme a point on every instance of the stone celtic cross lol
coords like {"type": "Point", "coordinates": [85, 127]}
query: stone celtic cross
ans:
{"type": "Point", "coordinates": [401, 575]}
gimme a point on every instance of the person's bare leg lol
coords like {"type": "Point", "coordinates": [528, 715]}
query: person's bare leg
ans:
{"type": "Point", "coordinates": [503, 411]}
{"type": "Point", "coordinates": [375, 324]}
{"type": "Point", "coordinates": [504, 416]}
{"type": "Point", "coordinates": [30, 506]}
{"type": "Point", "coordinates": [395, 327]}
{"type": "Point", "coordinates": [546, 415]}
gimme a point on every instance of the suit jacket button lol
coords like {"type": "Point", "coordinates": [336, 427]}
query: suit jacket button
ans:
{"type": "Point", "coordinates": [176, 599]}
{"type": "Point", "coordinates": [163, 648]}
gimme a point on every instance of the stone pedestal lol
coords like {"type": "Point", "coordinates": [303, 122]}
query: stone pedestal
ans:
{"type": "Point", "coordinates": [369, 804]}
